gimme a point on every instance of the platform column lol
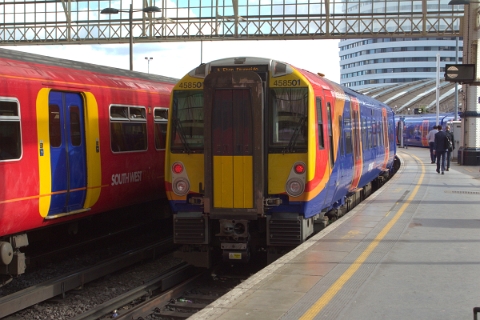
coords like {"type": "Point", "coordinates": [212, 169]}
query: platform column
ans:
{"type": "Point", "coordinates": [469, 152]}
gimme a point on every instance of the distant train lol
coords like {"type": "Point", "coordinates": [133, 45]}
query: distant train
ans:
{"type": "Point", "coordinates": [258, 151]}
{"type": "Point", "coordinates": [416, 127]}
{"type": "Point", "coordinates": [75, 140]}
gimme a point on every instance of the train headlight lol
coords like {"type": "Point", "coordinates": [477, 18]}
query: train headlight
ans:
{"type": "Point", "coordinates": [299, 168]}
{"type": "Point", "coordinates": [295, 187]}
{"type": "Point", "coordinates": [296, 179]}
{"type": "Point", "coordinates": [177, 167]}
{"type": "Point", "coordinates": [180, 186]}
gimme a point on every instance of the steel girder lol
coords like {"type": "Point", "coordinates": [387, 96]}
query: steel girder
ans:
{"type": "Point", "coordinates": [80, 22]}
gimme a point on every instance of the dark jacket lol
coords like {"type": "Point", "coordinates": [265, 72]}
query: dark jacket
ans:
{"type": "Point", "coordinates": [451, 137]}
{"type": "Point", "coordinates": [440, 141]}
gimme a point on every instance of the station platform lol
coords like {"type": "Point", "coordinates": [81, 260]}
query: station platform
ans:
{"type": "Point", "coordinates": [409, 251]}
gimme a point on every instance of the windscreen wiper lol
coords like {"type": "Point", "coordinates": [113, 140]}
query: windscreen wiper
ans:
{"type": "Point", "coordinates": [186, 146]}
{"type": "Point", "coordinates": [295, 134]}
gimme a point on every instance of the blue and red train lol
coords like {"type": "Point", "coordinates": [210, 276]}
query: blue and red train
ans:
{"type": "Point", "coordinates": [416, 127]}
{"type": "Point", "coordinates": [259, 150]}
{"type": "Point", "coordinates": [76, 140]}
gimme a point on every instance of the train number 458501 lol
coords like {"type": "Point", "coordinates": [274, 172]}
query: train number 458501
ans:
{"type": "Point", "coordinates": [190, 85]}
{"type": "Point", "coordinates": [286, 83]}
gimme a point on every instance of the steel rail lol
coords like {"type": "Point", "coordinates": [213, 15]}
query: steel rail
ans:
{"type": "Point", "coordinates": [175, 280]}
{"type": "Point", "coordinates": [59, 286]}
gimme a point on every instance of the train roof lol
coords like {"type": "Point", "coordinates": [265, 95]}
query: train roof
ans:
{"type": "Point", "coordinates": [71, 64]}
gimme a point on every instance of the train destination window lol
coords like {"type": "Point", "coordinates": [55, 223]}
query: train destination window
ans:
{"type": "Point", "coordinates": [160, 116]}
{"type": "Point", "coordinates": [128, 128]}
{"type": "Point", "coordinates": [288, 120]}
{"type": "Point", "coordinates": [10, 137]}
{"type": "Point", "coordinates": [187, 122]}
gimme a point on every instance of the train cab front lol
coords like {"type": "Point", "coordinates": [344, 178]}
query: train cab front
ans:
{"type": "Point", "coordinates": [217, 162]}
{"type": "Point", "coordinates": [235, 148]}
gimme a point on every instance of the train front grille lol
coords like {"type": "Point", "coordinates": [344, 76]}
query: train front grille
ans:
{"type": "Point", "coordinates": [190, 230]}
{"type": "Point", "coordinates": [283, 232]}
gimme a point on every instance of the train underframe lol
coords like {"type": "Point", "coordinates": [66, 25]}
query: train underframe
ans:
{"type": "Point", "coordinates": [237, 240]}
{"type": "Point", "coordinates": [12, 261]}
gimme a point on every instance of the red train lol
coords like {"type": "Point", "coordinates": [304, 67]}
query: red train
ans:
{"type": "Point", "coordinates": [76, 140]}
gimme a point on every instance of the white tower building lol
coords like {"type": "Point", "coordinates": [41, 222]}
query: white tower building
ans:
{"type": "Point", "coordinates": [379, 62]}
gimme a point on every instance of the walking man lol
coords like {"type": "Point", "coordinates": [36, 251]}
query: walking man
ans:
{"type": "Point", "coordinates": [440, 146]}
{"type": "Point", "coordinates": [431, 142]}
{"type": "Point", "coordinates": [449, 150]}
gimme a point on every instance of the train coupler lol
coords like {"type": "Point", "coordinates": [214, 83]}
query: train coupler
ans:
{"type": "Point", "coordinates": [235, 252]}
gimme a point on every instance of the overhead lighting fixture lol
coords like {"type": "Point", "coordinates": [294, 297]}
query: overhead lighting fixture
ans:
{"type": "Point", "coordinates": [152, 9]}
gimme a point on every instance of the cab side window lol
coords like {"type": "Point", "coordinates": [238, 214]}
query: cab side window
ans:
{"type": "Point", "coordinates": [160, 116]}
{"type": "Point", "coordinates": [10, 137]}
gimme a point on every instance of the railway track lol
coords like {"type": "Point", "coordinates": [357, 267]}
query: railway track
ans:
{"type": "Point", "coordinates": [176, 294]}
{"type": "Point", "coordinates": [146, 298]}
{"type": "Point", "coordinates": [59, 286]}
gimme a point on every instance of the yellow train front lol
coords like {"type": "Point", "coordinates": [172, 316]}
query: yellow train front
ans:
{"type": "Point", "coordinates": [258, 151]}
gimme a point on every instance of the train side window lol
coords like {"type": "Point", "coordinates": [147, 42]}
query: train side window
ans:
{"type": "Point", "coordinates": [75, 130]}
{"type": "Point", "coordinates": [382, 143]}
{"type": "Point", "coordinates": [137, 113]}
{"type": "Point", "coordinates": [365, 133]}
{"type": "Point", "coordinates": [330, 133]}
{"type": "Point", "coordinates": [118, 113]}
{"type": "Point", "coordinates": [341, 144]}
{"type": "Point", "coordinates": [10, 137]}
{"type": "Point", "coordinates": [370, 132]}
{"type": "Point", "coordinates": [128, 128]}
{"type": "Point", "coordinates": [160, 117]}
{"type": "Point", "coordinates": [348, 135]}
{"type": "Point", "coordinates": [391, 132]}
{"type": "Point", "coordinates": [321, 143]}
{"type": "Point", "coordinates": [54, 126]}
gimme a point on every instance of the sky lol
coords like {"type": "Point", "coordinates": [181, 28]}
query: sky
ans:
{"type": "Point", "coordinates": [175, 59]}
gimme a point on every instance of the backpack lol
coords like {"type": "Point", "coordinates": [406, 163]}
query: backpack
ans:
{"type": "Point", "coordinates": [448, 143]}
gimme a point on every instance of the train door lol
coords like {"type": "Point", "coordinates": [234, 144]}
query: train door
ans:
{"type": "Point", "coordinates": [234, 162]}
{"type": "Point", "coordinates": [356, 142]}
{"type": "Point", "coordinates": [386, 142]}
{"type": "Point", "coordinates": [67, 149]}
{"type": "Point", "coordinates": [331, 146]}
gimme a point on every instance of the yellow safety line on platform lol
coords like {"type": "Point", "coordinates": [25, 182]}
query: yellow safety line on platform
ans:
{"type": "Point", "coordinates": [337, 286]}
